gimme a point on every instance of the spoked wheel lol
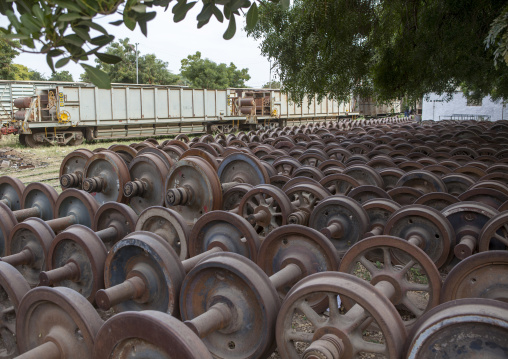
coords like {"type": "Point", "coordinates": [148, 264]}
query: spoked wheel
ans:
{"type": "Point", "coordinates": [266, 207]}
{"type": "Point", "coordinates": [302, 332]}
{"type": "Point", "coordinates": [417, 281]}
{"type": "Point", "coordinates": [494, 234]}
{"type": "Point", "coordinates": [339, 183]}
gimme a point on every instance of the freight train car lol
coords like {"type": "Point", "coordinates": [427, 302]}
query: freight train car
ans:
{"type": "Point", "coordinates": [67, 113]}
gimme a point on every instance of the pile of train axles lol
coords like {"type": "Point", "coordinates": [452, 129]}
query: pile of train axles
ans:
{"type": "Point", "coordinates": [380, 238]}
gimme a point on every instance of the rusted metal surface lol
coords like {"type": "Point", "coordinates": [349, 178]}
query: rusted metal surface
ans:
{"type": "Point", "coordinates": [482, 275]}
{"type": "Point", "coordinates": [151, 260]}
{"type": "Point", "coordinates": [169, 225]}
{"type": "Point", "coordinates": [12, 289]}
{"type": "Point", "coordinates": [371, 308]}
{"type": "Point", "coordinates": [72, 168]}
{"type": "Point", "coordinates": [11, 192]}
{"type": "Point", "coordinates": [76, 260]}
{"type": "Point", "coordinates": [416, 281]}
{"type": "Point", "coordinates": [304, 198]}
{"type": "Point", "coordinates": [148, 334]}
{"type": "Point", "coordinates": [462, 328]}
{"type": "Point", "coordinates": [146, 189]}
{"type": "Point", "coordinates": [227, 231]}
{"type": "Point", "coordinates": [266, 207]}
{"type": "Point", "coordinates": [365, 193]}
{"type": "Point", "coordinates": [73, 207]}
{"type": "Point", "coordinates": [246, 290]}
{"type": "Point", "coordinates": [426, 228]}
{"type": "Point", "coordinates": [468, 219]}
{"type": "Point", "coordinates": [27, 248]}
{"type": "Point", "coordinates": [60, 316]}
{"type": "Point", "coordinates": [193, 188]}
{"type": "Point", "coordinates": [105, 175]}
{"type": "Point", "coordinates": [379, 210]}
{"type": "Point", "coordinates": [233, 196]}
{"type": "Point", "coordinates": [294, 244]}
{"type": "Point", "coordinates": [39, 197]}
{"type": "Point", "coordinates": [424, 181]}
{"type": "Point", "coordinates": [339, 184]}
{"type": "Point", "coordinates": [437, 200]}
{"type": "Point", "coordinates": [113, 221]}
{"type": "Point", "coordinates": [341, 219]}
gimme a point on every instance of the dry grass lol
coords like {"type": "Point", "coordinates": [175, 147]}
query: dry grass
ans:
{"type": "Point", "coordinates": [49, 158]}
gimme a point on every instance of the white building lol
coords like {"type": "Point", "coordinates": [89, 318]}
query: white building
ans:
{"type": "Point", "coordinates": [435, 107]}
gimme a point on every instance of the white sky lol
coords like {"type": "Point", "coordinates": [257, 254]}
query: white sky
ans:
{"type": "Point", "coordinates": [172, 42]}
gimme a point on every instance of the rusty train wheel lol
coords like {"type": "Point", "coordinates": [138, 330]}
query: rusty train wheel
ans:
{"type": "Point", "coordinates": [482, 275]}
{"type": "Point", "coordinates": [372, 310]}
{"type": "Point", "coordinates": [417, 281]}
{"type": "Point", "coordinates": [148, 334]}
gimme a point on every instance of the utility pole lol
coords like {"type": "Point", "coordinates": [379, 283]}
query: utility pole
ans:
{"type": "Point", "coordinates": [270, 79]}
{"type": "Point", "coordinates": [137, 76]}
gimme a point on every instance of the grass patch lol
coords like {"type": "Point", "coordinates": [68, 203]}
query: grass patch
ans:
{"type": "Point", "coordinates": [50, 157]}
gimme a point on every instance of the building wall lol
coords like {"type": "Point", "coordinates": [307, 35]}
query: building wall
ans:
{"type": "Point", "coordinates": [435, 107]}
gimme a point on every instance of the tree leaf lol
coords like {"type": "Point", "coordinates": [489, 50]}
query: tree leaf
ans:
{"type": "Point", "coordinates": [181, 11]}
{"type": "Point", "coordinates": [284, 4]}
{"type": "Point", "coordinates": [143, 27]}
{"type": "Point", "coordinates": [236, 4]}
{"type": "Point", "coordinates": [29, 23]}
{"type": "Point", "coordinates": [108, 58]}
{"type": "Point", "coordinates": [82, 33]}
{"type": "Point", "coordinates": [74, 40]}
{"type": "Point", "coordinates": [217, 13]}
{"type": "Point", "coordinates": [55, 52]}
{"type": "Point", "coordinates": [252, 16]}
{"type": "Point", "coordinates": [16, 37]}
{"type": "Point", "coordinates": [231, 30]}
{"type": "Point", "coordinates": [116, 23]}
{"type": "Point", "coordinates": [98, 77]}
{"type": "Point", "coordinates": [205, 13]}
{"type": "Point", "coordinates": [139, 8]}
{"type": "Point", "coordinates": [37, 11]}
{"type": "Point", "coordinates": [69, 16]}
{"type": "Point", "coordinates": [49, 60]}
{"type": "Point", "coordinates": [102, 40]}
{"type": "Point", "coordinates": [71, 5]}
{"type": "Point", "coordinates": [147, 16]}
{"type": "Point", "coordinates": [202, 23]}
{"type": "Point", "coordinates": [94, 26]}
{"type": "Point", "coordinates": [62, 62]}
{"type": "Point", "coordinates": [129, 21]}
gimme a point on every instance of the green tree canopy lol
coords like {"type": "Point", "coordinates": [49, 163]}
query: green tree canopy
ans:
{"type": "Point", "coordinates": [37, 76]}
{"type": "Point", "coordinates": [21, 72]}
{"type": "Point", "coordinates": [384, 49]}
{"type": "Point", "coordinates": [204, 73]}
{"type": "Point", "coordinates": [151, 69]}
{"type": "Point", "coordinates": [7, 54]}
{"type": "Point", "coordinates": [61, 76]}
{"type": "Point", "coordinates": [272, 85]}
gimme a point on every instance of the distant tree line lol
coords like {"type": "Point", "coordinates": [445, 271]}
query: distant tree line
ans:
{"type": "Point", "coordinates": [196, 72]}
